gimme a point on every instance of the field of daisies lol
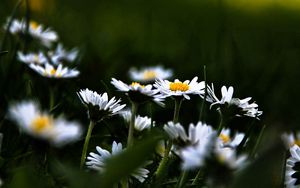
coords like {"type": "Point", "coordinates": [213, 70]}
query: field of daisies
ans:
{"type": "Point", "coordinates": [133, 95]}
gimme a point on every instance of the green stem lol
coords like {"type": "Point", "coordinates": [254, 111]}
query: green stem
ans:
{"type": "Point", "coordinates": [130, 138]}
{"type": "Point", "coordinates": [221, 123]}
{"type": "Point", "coordinates": [183, 177]}
{"type": "Point", "coordinates": [86, 143]}
{"type": "Point", "coordinates": [124, 183]}
{"type": "Point", "coordinates": [51, 99]}
{"type": "Point", "coordinates": [257, 142]}
{"type": "Point", "coordinates": [201, 115]}
{"type": "Point", "coordinates": [176, 110]}
{"type": "Point", "coordinates": [199, 174]}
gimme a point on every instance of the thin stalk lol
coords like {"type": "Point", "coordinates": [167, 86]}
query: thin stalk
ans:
{"type": "Point", "coordinates": [183, 178]}
{"type": "Point", "coordinates": [130, 138]}
{"type": "Point", "coordinates": [257, 142]}
{"type": "Point", "coordinates": [176, 110]}
{"type": "Point", "coordinates": [124, 183]}
{"type": "Point", "coordinates": [86, 143]}
{"type": "Point", "coordinates": [241, 145]}
{"type": "Point", "coordinates": [51, 99]}
{"type": "Point", "coordinates": [221, 123]}
{"type": "Point", "coordinates": [201, 115]}
{"type": "Point", "coordinates": [199, 174]}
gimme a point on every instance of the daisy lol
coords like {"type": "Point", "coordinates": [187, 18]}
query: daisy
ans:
{"type": "Point", "coordinates": [34, 58]}
{"type": "Point", "coordinates": [291, 139]}
{"type": "Point", "coordinates": [241, 107]}
{"type": "Point", "coordinates": [60, 54]}
{"type": "Point", "coordinates": [46, 36]}
{"type": "Point", "coordinates": [140, 124]}
{"type": "Point", "coordinates": [292, 178]}
{"type": "Point", "coordinates": [228, 156]}
{"type": "Point", "coordinates": [225, 138]}
{"type": "Point", "coordinates": [137, 92]}
{"type": "Point", "coordinates": [34, 122]}
{"type": "Point", "coordinates": [149, 74]}
{"type": "Point", "coordinates": [99, 105]}
{"type": "Point", "coordinates": [97, 161]}
{"type": "Point", "coordinates": [180, 89]}
{"type": "Point", "coordinates": [50, 71]}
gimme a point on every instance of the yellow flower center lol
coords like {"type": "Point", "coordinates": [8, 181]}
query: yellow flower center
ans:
{"type": "Point", "coordinates": [41, 123]}
{"type": "Point", "coordinates": [179, 86]}
{"type": "Point", "coordinates": [297, 142]}
{"type": "Point", "coordinates": [149, 75]}
{"type": "Point", "coordinates": [34, 25]}
{"type": "Point", "coordinates": [225, 139]}
{"type": "Point", "coordinates": [36, 58]}
{"type": "Point", "coordinates": [136, 84]}
{"type": "Point", "coordinates": [52, 72]}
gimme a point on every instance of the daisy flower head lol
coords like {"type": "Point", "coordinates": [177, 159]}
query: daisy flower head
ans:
{"type": "Point", "coordinates": [291, 139]}
{"type": "Point", "coordinates": [97, 161]}
{"type": "Point", "coordinates": [35, 58]}
{"type": "Point", "coordinates": [232, 106]}
{"type": "Point", "coordinates": [137, 92]}
{"type": "Point", "coordinates": [226, 139]}
{"type": "Point", "coordinates": [60, 55]}
{"type": "Point", "coordinates": [150, 74]}
{"type": "Point", "coordinates": [35, 30]}
{"type": "Point", "coordinates": [229, 157]}
{"type": "Point", "coordinates": [50, 71]}
{"type": "Point", "coordinates": [180, 89]}
{"type": "Point", "coordinates": [36, 123]}
{"type": "Point", "coordinates": [141, 123]}
{"type": "Point", "coordinates": [99, 105]}
{"type": "Point", "coordinates": [292, 177]}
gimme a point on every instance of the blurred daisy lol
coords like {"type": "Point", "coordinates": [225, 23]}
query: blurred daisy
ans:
{"type": "Point", "coordinates": [141, 123]}
{"type": "Point", "coordinates": [240, 107]}
{"type": "Point", "coordinates": [180, 89]}
{"type": "Point", "coordinates": [137, 92]}
{"type": "Point", "coordinates": [39, 124]}
{"type": "Point", "coordinates": [60, 54]}
{"type": "Point", "coordinates": [46, 36]}
{"type": "Point", "coordinates": [228, 156]}
{"type": "Point", "coordinates": [36, 58]}
{"type": "Point", "coordinates": [225, 138]}
{"type": "Point", "coordinates": [97, 161]}
{"type": "Point", "coordinates": [50, 71]}
{"type": "Point", "coordinates": [99, 105]}
{"type": "Point", "coordinates": [291, 139]}
{"type": "Point", "coordinates": [149, 74]}
{"type": "Point", "coordinates": [292, 177]}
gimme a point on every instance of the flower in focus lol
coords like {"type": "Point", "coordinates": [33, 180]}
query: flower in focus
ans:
{"type": "Point", "coordinates": [150, 74]}
{"type": "Point", "coordinates": [99, 105]}
{"type": "Point", "coordinates": [291, 139]}
{"type": "Point", "coordinates": [60, 55]}
{"type": "Point", "coordinates": [141, 123]}
{"type": "Point", "coordinates": [46, 36]}
{"type": "Point", "coordinates": [50, 71]}
{"type": "Point", "coordinates": [137, 92]}
{"type": "Point", "coordinates": [292, 178]}
{"type": "Point", "coordinates": [180, 89]}
{"type": "Point", "coordinates": [225, 138]}
{"type": "Point", "coordinates": [230, 105]}
{"type": "Point", "coordinates": [31, 120]}
{"type": "Point", "coordinates": [97, 161]}
{"type": "Point", "coordinates": [34, 58]}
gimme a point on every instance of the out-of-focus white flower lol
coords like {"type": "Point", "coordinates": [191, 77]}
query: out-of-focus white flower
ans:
{"type": "Point", "coordinates": [244, 107]}
{"type": "Point", "coordinates": [141, 123]}
{"type": "Point", "coordinates": [291, 139]}
{"type": "Point", "coordinates": [225, 138]}
{"type": "Point", "coordinates": [99, 105]}
{"type": "Point", "coordinates": [229, 157]}
{"type": "Point", "coordinates": [292, 179]}
{"type": "Point", "coordinates": [137, 92]}
{"type": "Point", "coordinates": [46, 36]}
{"type": "Point", "coordinates": [33, 121]}
{"type": "Point", "coordinates": [36, 58]}
{"type": "Point", "coordinates": [180, 89]}
{"type": "Point", "coordinates": [149, 74]}
{"type": "Point", "coordinates": [50, 71]}
{"type": "Point", "coordinates": [60, 54]}
{"type": "Point", "coordinates": [97, 161]}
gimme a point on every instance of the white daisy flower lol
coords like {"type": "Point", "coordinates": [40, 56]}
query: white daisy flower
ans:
{"type": "Point", "coordinates": [291, 139]}
{"type": "Point", "coordinates": [99, 105]}
{"type": "Point", "coordinates": [60, 54]}
{"type": "Point", "coordinates": [225, 138]}
{"type": "Point", "coordinates": [141, 123]}
{"type": "Point", "coordinates": [244, 108]}
{"type": "Point", "coordinates": [97, 161]}
{"type": "Point", "coordinates": [36, 58]}
{"type": "Point", "coordinates": [50, 71]}
{"type": "Point", "coordinates": [137, 92]}
{"type": "Point", "coordinates": [229, 157]}
{"type": "Point", "coordinates": [180, 89]}
{"type": "Point", "coordinates": [292, 173]}
{"type": "Point", "coordinates": [149, 74]}
{"type": "Point", "coordinates": [33, 121]}
{"type": "Point", "coordinates": [46, 36]}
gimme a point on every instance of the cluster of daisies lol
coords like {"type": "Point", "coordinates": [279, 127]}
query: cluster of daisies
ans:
{"type": "Point", "coordinates": [50, 58]}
